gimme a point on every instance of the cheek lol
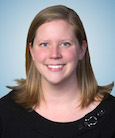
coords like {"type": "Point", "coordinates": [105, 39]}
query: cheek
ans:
{"type": "Point", "coordinates": [71, 55]}
{"type": "Point", "coordinates": [40, 56]}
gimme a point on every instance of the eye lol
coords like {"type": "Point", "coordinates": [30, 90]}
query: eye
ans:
{"type": "Point", "coordinates": [44, 44]}
{"type": "Point", "coordinates": [66, 44]}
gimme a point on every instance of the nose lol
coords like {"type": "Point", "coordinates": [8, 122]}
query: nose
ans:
{"type": "Point", "coordinates": [55, 52]}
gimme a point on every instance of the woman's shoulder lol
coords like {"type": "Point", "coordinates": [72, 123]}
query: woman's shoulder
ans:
{"type": "Point", "coordinates": [7, 103]}
{"type": "Point", "coordinates": [6, 99]}
{"type": "Point", "coordinates": [108, 103]}
{"type": "Point", "coordinates": [106, 109]}
{"type": "Point", "coordinates": [109, 100]}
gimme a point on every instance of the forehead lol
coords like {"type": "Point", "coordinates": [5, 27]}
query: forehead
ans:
{"type": "Point", "coordinates": [56, 28]}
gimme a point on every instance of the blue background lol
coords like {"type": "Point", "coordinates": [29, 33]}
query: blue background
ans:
{"type": "Point", "coordinates": [98, 17]}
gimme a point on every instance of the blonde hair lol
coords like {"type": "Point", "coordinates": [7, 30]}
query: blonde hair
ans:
{"type": "Point", "coordinates": [29, 91]}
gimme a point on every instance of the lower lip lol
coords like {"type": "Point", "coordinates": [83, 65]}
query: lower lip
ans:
{"type": "Point", "coordinates": [55, 69]}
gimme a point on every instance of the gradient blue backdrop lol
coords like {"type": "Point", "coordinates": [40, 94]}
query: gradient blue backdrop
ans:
{"type": "Point", "coordinates": [98, 17]}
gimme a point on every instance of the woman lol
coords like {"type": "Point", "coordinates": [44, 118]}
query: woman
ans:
{"type": "Point", "coordinates": [60, 97]}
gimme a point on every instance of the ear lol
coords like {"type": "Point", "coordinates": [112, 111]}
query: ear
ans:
{"type": "Point", "coordinates": [83, 49]}
{"type": "Point", "coordinates": [31, 50]}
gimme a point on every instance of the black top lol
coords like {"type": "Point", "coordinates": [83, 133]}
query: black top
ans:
{"type": "Point", "coordinates": [17, 122]}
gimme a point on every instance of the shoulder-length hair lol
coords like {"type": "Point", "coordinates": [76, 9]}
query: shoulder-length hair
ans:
{"type": "Point", "coordinates": [29, 91]}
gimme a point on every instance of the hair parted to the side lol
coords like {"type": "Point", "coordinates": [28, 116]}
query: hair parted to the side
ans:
{"type": "Point", "coordinates": [29, 91]}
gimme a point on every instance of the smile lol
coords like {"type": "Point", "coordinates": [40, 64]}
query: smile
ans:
{"type": "Point", "coordinates": [55, 68]}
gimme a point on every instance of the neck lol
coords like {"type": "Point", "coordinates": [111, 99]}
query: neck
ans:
{"type": "Point", "coordinates": [63, 93]}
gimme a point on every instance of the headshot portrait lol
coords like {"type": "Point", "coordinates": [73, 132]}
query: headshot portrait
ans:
{"type": "Point", "coordinates": [57, 69]}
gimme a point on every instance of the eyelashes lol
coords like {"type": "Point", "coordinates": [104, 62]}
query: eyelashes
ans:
{"type": "Point", "coordinates": [64, 44]}
{"type": "Point", "coordinates": [44, 44]}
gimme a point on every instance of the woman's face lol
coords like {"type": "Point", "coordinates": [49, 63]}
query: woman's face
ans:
{"type": "Point", "coordinates": [56, 51]}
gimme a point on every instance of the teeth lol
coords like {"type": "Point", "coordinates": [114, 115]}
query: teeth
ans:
{"type": "Point", "coordinates": [55, 66]}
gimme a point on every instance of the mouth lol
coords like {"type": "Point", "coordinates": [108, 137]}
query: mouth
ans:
{"type": "Point", "coordinates": [55, 67]}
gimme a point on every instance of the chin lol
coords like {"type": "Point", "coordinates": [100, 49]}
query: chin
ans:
{"type": "Point", "coordinates": [55, 82]}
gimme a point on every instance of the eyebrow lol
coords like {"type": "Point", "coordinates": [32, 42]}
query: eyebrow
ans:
{"type": "Point", "coordinates": [61, 40]}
